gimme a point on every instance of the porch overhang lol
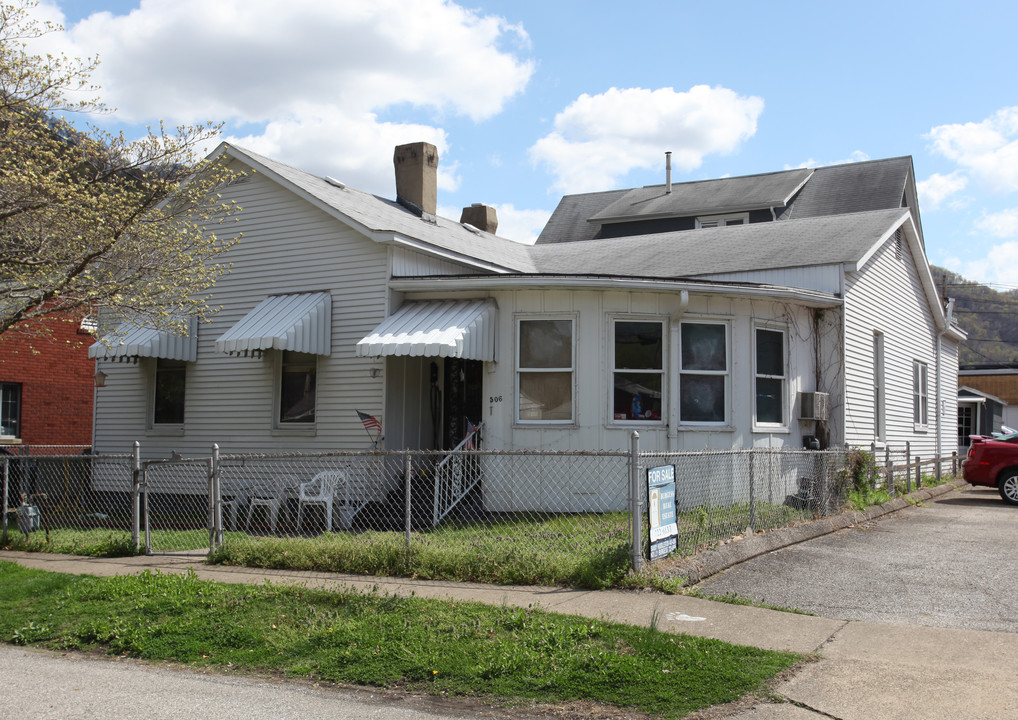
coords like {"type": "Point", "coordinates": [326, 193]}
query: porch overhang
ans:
{"type": "Point", "coordinates": [130, 341]}
{"type": "Point", "coordinates": [435, 328]}
{"type": "Point", "coordinates": [300, 322]}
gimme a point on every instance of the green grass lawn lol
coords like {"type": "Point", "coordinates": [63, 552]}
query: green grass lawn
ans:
{"type": "Point", "coordinates": [503, 654]}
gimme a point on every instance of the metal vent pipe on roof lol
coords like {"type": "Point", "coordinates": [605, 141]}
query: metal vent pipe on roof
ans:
{"type": "Point", "coordinates": [668, 171]}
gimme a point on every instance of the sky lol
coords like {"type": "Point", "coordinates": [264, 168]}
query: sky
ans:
{"type": "Point", "coordinates": [528, 100]}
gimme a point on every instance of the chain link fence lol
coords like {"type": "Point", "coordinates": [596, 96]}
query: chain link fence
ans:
{"type": "Point", "coordinates": [81, 492]}
{"type": "Point", "coordinates": [394, 511]}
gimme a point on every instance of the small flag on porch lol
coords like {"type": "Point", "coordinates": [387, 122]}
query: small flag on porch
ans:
{"type": "Point", "coordinates": [370, 422]}
{"type": "Point", "coordinates": [471, 429]}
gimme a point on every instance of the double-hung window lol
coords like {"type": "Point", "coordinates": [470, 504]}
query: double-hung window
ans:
{"type": "Point", "coordinates": [168, 392]}
{"type": "Point", "coordinates": [298, 382]}
{"type": "Point", "coordinates": [703, 373]}
{"type": "Point", "coordinates": [544, 370]}
{"type": "Point", "coordinates": [770, 376]}
{"type": "Point", "coordinates": [10, 409]}
{"type": "Point", "coordinates": [638, 370]}
{"type": "Point", "coordinates": [920, 395]}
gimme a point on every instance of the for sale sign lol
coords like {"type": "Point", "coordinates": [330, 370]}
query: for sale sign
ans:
{"type": "Point", "coordinates": [661, 510]}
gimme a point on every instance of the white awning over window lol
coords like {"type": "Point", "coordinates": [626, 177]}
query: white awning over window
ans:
{"type": "Point", "coordinates": [437, 328]}
{"type": "Point", "coordinates": [300, 323]}
{"type": "Point", "coordinates": [130, 341]}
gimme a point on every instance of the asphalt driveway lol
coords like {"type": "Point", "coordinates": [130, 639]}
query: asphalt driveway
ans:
{"type": "Point", "coordinates": [949, 563]}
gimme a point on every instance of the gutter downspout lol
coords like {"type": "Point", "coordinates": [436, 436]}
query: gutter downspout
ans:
{"type": "Point", "coordinates": [673, 354]}
{"type": "Point", "coordinates": [949, 315]}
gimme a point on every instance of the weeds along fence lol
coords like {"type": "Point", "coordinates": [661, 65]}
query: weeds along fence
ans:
{"type": "Point", "coordinates": [481, 506]}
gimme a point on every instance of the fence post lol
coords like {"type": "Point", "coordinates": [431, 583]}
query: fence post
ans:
{"type": "Point", "coordinates": [908, 463]}
{"type": "Point", "coordinates": [918, 472]}
{"type": "Point", "coordinates": [635, 515]}
{"type": "Point", "coordinates": [752, 485]}
{"type": "Point", "coordinates": [136, 496]}
{"type": "Point", "coordinates": [6, 496]}
{"type": "Point", "coordinates": [217, 512]}
{"type": "Point", "coordinates": [888, 470]}
{"type": "Point", "coordinates": [406, 495]}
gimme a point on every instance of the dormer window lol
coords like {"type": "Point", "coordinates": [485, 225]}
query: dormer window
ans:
{"type": "Point", "coordinates": [713, 221]}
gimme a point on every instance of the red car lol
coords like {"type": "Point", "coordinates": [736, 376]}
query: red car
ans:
{"type": "Point", "coordinates": [993, 462]}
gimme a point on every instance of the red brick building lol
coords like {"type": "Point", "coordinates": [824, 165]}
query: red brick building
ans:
{"type": "Point", "coordinates": [46, 386]}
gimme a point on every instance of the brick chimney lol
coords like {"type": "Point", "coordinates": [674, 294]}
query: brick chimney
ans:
{"type": "Point", "coordinates": [481, 217]}
{"type": "Point", "coordinates": [417, 176]}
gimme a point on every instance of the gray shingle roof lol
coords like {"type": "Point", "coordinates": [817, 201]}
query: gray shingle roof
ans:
{"type": "Point", "coordinates": [382, 216]}
{"type": "Point", "coordinates": [760, 246]}
{"type": "Point", "coordinates": [855, 187]}
{"type": "Point", "coordinates": [800, 242]}
{"type": "Point", "coordinates": [705, 197]}
{"type": "Point", "coordinates": [569, 221]}
{"type": "Point", "coordinates": [831, 190]}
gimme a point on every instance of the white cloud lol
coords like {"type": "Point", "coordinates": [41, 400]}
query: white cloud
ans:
{"type": "Point", "coordinates": [937, 188]}
{"type": "Point", "coordinates": [523, 226]}
{"type": "Point", "coordinates": [1002, 224]}
{"type": "Point", "coordinates": [599, 138]}
{"type": "Point", "coordinates": [988, 150]}
{"type": "Point", "coordinates": [309, 80]}
{"type": "Point", "coordinates": [998, 267]}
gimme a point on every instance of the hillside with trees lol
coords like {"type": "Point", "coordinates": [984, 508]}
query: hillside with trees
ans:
{"type": "Point", "coordinates": [990, 317]}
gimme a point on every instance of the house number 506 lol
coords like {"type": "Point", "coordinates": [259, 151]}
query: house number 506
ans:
{"type": "Point", "coordinates": [495, 399]}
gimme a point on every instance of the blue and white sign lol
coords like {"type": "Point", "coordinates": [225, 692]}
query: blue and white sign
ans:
{"type": "Point", "coordinates": [661, 509]}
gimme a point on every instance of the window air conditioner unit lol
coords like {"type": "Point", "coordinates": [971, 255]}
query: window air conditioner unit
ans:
{"type": "Point", "coordinates": [814, 406]}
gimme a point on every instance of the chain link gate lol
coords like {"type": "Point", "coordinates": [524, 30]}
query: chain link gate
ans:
{"type": "Point", "coordinates": [178, 505]}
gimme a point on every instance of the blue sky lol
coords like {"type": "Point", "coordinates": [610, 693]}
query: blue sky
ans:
{"type": "Point", "coordinates": [529, 100]}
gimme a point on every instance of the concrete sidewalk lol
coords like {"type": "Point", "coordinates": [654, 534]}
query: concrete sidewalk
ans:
{"type": "Point", "coordinates": [865, 671]}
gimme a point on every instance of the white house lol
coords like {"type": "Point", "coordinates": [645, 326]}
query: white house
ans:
{"type": "Point", "coordinates": [742, 312]}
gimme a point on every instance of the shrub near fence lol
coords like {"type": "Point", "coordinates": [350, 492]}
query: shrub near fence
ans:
{"type": "Point", "coordinates": [523, 517]}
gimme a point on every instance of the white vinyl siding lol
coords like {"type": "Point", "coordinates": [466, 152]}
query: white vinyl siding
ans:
{"type": "Point", "coordinates": [287, 246]}
{"type": "Point", "coordinates": [886, 296]}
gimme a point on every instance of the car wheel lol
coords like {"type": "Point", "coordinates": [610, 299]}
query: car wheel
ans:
{"type": "Point", "coordinates": [1008, 487]}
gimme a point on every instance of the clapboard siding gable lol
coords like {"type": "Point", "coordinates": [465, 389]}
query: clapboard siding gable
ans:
{"type": "Point", "coordinates": [886, 296]}
{"type": "Point", "coordinates": [286, 246]}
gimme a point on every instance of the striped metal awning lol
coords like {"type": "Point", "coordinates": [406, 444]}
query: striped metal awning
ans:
{"type": "Point", "coordinates": [301, 322]}
{"type": "Point", "coordinates": [130, 341]}
{"type": "Point", "coordinates": [437, 328]}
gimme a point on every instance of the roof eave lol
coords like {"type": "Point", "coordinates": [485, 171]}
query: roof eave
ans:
{"type": "Point", "coordinates": [445, 283]}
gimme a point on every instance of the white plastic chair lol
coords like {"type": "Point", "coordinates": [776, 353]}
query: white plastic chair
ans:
{"type": "Point", "coordinates": [269, 500]}
{"type": "Point", "coordinates": [320, 490]}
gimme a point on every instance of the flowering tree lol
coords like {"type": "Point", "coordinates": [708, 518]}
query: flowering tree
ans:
{"type": "Point", "coordinates": [89, 221]}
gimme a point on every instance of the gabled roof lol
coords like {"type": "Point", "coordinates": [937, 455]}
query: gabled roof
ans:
{"type": "Point", "coordinates": [387, 221]}
{"type": "Point", "coordinates": [705, 197]}
{"type": "Point", "coordinates": [793, 194]}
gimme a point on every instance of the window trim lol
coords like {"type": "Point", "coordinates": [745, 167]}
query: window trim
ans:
{"type": "Point", "coordinates": [879, 388]}
{"type": "Point", "coordinates": [294, 428]}
{"type": "Point", "coordinates": [613, 320]}
{"type": "Point", "coordinates": [171, 428]}
{"type": "Point", "coordinates": [573, 319]}
{"type": "Point", "coordinates": [712, 221]}
{"type": "Point", "coordinates": [757, 375]}
{"type": "Point", "coordinates": [920, 395]}
{"type": "Point", "coordinates": [727, 373]}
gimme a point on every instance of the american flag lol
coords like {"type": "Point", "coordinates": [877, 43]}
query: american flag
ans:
{"type": "Point", "coordinates": [370, 422]}
{"type": "Point", "coordinates": [471, 429]}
